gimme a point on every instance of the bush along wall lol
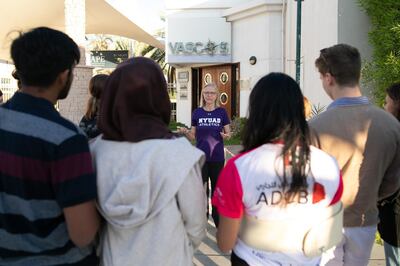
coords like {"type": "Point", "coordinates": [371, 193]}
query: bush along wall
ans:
{"type": "Point", "coordinates": [384, 36]}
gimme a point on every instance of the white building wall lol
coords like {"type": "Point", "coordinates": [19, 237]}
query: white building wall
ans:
{"type": "Point", "coordinates": [184, 104]}
{"type": "Point", "coordinates": [319, 30]}
{"type": "Point", "coordinates": [193, 25]}
{"type": "Point", "coordinates": [266, 29]}
{"type": "Point", "coordinates": [264, 41]}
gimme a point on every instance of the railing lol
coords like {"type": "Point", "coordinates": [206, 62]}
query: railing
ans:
{"type": "Point", "coordinates": [171, 87]}
{"type": "Point", "coordinates": [8, 86]}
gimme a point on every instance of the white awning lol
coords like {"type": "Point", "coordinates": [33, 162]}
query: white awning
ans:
{"type": "Point", "coordinates": [101, 18]}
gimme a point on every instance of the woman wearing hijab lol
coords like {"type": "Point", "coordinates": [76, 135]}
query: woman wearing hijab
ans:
{"type": "Point", "coordinates": [149, 182]}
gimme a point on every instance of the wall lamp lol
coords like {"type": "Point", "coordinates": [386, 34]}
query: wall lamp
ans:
{"type": "Point", "coordinates": [252, 60]}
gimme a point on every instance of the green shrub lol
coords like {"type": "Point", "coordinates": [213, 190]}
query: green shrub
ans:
{"type": "Point", "coordinates": [174, 125]}
{"type": "Point", "coordinates": [237, 125]}
{"type": "Point", "coordinates": [384, 69]}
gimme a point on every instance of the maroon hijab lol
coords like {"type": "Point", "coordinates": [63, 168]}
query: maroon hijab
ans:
{"type": "Point", "coordinates": [135, 104]}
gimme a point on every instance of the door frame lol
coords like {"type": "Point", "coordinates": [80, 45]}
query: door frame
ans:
{"type": "Point", "coordinates": [197, 73]}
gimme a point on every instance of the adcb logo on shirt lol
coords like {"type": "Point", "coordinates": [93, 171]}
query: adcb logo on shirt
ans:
{"type": "Point", "coordinates": [277, 197]}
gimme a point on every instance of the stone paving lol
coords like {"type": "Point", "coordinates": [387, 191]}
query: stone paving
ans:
{"type": "Point", "coordinates": [208, 253]}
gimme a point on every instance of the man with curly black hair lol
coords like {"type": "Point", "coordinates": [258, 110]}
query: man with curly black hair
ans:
{"type": "Point", "coordinates": [47, 183]}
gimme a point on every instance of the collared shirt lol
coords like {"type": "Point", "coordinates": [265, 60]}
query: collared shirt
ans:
{"type": "Point", "coordinates": [45, 166]}
{"type": "Point", "coordinates": [348, 101]}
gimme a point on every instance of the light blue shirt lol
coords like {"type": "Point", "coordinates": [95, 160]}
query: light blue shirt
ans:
{"type": "Point", "coordinates": [348, 101]}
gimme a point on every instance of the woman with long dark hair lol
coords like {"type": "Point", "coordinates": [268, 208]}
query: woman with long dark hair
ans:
{"type": "Point", "coordinates": [389, 214]}
{"type": "Point", "coordinates": [88, 122]}
{"type": "Point", "coordinates": [149, 183]}
{"type": "Point", "coordinates": [279, 187]}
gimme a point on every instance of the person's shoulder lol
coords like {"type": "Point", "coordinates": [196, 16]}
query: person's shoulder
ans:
{"type": "Point", "coordinates": [198, 111]}
{"type": "Point", "coordinates": [327, 114]}
{"type": "Point", "coordinates": [325, 121]}
{"type": "Point", "coordinates": [220, 109]}
{"type": "Point", "coordinates": [320, 155]}
{"type": "Point", "coordinates": [248, 155]}
{"type": "Point", "coordinates": [383, 118]}
{"type": "Point", "coordinates": [67, 129]}
{"type": "Point", "coordinates": [221, 112]}
{"type": "Point", "coordinates": [381, 114]}
{"type": "Point", "coordinates": [178, 143]}
{"type": "Point", "coordinates": [69, 125]}
{"type": "Point", "coordinates": [160, 145]}
{"type": "Point", "coordinates": [171, 151]}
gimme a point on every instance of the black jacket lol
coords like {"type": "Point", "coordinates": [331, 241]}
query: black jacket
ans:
{"type": "Point", "coordinates": [89, 126]}
{"type": "Point", "coordinates": [389, 216]}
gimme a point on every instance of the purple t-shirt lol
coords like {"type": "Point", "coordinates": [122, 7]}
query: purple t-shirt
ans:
{"type": "Point", "coordinates": [209, 125]}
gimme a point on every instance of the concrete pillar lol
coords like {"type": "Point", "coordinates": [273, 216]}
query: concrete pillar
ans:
{"type": "Point", "coordinates": [74, 106]}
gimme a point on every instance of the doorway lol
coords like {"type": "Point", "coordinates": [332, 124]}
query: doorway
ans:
{"type": "Point", "coordinates": [225, 77]}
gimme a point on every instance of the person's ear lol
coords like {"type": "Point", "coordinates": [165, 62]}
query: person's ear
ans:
{"type": "Point", "coordinates": [330, 79]}
{"type": "Point", "coordinates": [63, 78]}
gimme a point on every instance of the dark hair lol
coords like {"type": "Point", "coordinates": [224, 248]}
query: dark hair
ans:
{"type": "Point", "coordinates": [96, 87]}
{"type": "Point", "coordinates": [343, 62]}
{"type": "Point", "coordinates": [394, 93]}
{"type": "Point", "coordinates": [1, 93]}
{"type": "Point", "coordinates": [276, 113]}
{"type": "Point", "coordinates": [41, 54]}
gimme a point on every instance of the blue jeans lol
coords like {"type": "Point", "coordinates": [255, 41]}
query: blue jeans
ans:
{"type": "Point", "coordinates": [392, 255]}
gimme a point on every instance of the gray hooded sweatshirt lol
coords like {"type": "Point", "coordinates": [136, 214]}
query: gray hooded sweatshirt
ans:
{"type": "Point", "coordinates": [152, 197]}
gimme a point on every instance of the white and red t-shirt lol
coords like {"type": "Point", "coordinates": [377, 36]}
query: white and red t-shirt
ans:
{"type": "Point", "coordinates": [250, 183]}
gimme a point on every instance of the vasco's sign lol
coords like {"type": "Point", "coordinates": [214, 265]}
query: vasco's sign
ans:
{"type": "Point", "coordinates": [199, 48]}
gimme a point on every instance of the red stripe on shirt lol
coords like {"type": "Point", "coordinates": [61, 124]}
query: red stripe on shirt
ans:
{"type": "Point", "coordinates": [23, 167]}
{"type": "Point", "coordinates": [72, 167]}
{"type": "Point", "coordinates": [339, 191]}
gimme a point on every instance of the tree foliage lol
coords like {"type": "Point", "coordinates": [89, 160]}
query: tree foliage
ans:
{"type": "Point", "coordinates": [100, 42]}
{"type": "Point", "coordinates": [384, 36]}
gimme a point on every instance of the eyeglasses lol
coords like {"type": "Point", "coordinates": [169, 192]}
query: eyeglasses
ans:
{"type": "Point", "coordinates": [209, 93]}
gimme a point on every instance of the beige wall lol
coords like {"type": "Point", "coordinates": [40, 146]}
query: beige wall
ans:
{"type": "Point", "coordinates": [74, 106]}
